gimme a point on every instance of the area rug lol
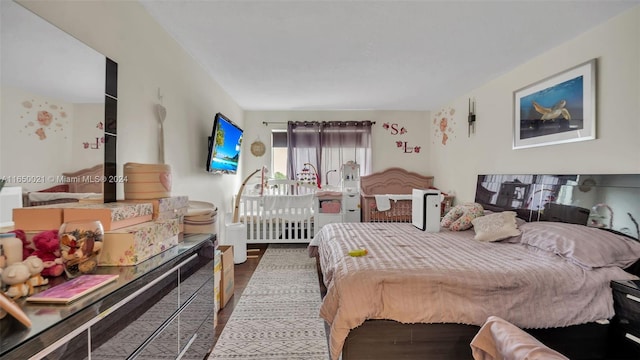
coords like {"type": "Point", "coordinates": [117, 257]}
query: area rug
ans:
{"type": "Point", "coordinates": [277, 314]}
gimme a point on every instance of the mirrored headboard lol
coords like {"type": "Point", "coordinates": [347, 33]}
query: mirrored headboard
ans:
{"type": "Point", "coordinates": [59, 104]}
{"type": "Point", "coordinates": [608, 201]}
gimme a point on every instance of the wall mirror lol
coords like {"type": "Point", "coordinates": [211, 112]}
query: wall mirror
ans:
{"type": "Point", "coordinates": [53, 115]}
{"type": "Point", "coordinates": [608, 201]}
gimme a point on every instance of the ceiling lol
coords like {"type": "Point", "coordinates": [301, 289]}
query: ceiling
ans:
{"type": "Point", "coordinates": [377, 55]}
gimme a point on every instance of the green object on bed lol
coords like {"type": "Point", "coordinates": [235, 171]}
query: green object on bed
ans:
{"type": "Point", "coordinates": [1, 184]}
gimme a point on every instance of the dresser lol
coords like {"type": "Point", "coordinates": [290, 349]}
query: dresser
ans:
{"type": "Point", "coordinates": [162, 308]}
{"type": "Point", "coordinates": [625, 327]}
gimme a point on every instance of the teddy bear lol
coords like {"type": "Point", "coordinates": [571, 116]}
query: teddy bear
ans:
{"type": "Point", "coordinates": [16, 276]}
{"type": "Point", "coordinates": [35, 265]}
{"type": "Point", "coordinates": [460, 216]}
{"type": "Point", "coordinates": [48, 249]}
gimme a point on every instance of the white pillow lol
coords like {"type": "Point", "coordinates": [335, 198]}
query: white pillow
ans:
{"type": "Point", "coordinates": [495, 226]}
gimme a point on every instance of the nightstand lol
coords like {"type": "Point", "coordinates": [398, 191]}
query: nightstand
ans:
{"type": "Point", "coordinates": [625, 326]}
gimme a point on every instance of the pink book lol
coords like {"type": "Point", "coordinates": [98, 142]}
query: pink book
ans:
{"type": "Point", "coordinates": [72, 289]}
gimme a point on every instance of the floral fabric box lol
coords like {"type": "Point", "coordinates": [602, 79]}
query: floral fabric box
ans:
{"type": "Point", "coordinates": [166, 208]}
{"type": "Point", "coordinates": [113, 216]}
{"type": "Point", "coordinates": [134, 244]}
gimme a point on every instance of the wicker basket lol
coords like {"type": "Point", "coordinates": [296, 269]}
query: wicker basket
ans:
{"type": "Point", "coordinates": [146, 181]}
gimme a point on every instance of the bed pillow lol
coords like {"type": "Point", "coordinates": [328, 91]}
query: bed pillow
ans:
{"type": "Point", "coordinates": [495, 226]}
{"type": "Point", "coordinates": [585, 246]}
{"type": "Point", "coordinates": [460, 216]}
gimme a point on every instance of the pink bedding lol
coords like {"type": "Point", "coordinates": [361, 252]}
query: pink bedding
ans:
{"type": "Point", "coordinates": [413, 276]}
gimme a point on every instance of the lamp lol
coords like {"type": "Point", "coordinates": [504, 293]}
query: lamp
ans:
{"type": "Point", "coordinates": [472, 116]}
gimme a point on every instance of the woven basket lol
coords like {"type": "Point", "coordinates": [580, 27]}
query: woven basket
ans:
{"type": "Point", "coordinates": [147, 181]}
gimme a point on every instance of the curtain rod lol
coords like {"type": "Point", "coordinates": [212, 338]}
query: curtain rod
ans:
{"type": "Point", "coordinates": [267, 123]}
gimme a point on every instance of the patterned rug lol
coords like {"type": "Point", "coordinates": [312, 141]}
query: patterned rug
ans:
{"type": "Point", "coordinates": [277, 315]}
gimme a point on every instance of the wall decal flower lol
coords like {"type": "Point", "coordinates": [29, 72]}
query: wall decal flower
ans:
{"type": "Point", "coordinates": [41, 134]}
{"type": "Point", "coordinates": [44, 118]}
{"type": "Point", "coordinates": [443, 125]}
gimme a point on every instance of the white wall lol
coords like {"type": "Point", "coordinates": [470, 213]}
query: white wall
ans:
{"type": "Point", "coordinates": [149, 59]}
{"type": "Point", "coordinates": [385, 152]}
{"type": "Point", "coordinates": [616, 46]}
{"type": "Point", "coordinates": [31, 148]}
{"type": "Point", "coordinates": [86, 130]}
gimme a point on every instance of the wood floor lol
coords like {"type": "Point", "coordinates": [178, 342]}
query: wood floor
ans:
{"type": "Point", "coordinates": [242, 274]}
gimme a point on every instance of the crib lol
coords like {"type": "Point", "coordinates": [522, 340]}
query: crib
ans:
{"type": "Point", "coordinates": [282, 214]}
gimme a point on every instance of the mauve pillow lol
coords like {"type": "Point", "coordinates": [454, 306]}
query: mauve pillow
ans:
{"type": "Point", "coordinates": [585, 246]}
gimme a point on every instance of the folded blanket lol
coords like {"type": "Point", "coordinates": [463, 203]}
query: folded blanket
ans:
{"type": "Point", "coordinates": [383, 202]}
{"type": "Point", "coordinates": [498, 339]}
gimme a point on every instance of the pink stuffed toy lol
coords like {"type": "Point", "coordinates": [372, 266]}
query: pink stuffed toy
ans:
{"type": "Point", "coordinates": [48, 249]}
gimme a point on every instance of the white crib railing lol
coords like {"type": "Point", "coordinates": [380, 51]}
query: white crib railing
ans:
{"type": "Point", "coordinates": [278, 218]}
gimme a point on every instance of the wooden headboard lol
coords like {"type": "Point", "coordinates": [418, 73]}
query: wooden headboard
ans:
{"type": "Point", "coordinates": [86, 180]}
{"type": "Point", "coordinates": [394, 181]}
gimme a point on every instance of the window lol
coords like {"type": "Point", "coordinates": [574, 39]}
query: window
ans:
{"type": "Point", "coordinates": [279, 155]}
{"type": "Point", "coordinates": [326, 146]}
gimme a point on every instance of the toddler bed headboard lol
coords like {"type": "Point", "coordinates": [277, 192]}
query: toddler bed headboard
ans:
{"type": "Point", "coordinates": [392, 181]}
{"type": "Point", "coordinates": [84, 184]}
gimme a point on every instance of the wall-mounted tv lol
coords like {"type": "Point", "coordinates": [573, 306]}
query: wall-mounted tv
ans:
{"type": "Point", "coordinates": [224, 146]}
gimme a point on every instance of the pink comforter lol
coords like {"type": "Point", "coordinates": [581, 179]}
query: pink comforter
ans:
{"type": "Point", "coordinates": [413, 276]}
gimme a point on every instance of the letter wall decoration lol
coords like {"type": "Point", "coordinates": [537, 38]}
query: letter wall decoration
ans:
{"type": "Point", "coordinates": [395, 129]}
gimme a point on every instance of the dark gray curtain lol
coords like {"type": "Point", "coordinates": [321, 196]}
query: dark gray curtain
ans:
{"type": "Point", "coordinates": [304, 146]}
{"type": "Point", "coordinates": [328, 144]}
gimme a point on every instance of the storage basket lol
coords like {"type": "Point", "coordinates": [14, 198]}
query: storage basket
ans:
{"type": "Point", "coordinates": [146, 181]}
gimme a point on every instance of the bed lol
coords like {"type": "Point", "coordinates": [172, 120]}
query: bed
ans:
{"type": "Point", "coordinates": [83, 185]}
{"type": "Point", "coordinates": [419, 294]}
{"type": "Point", "coordinates": [284, 213]}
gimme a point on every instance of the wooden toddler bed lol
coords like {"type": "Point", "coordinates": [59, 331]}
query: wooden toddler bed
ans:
{"type": "Point", "coordinates": [82, 185]}
{"type": "Point", "coordinates": [393, 187]}
{"type": "Point", "coordinates": [420, 295]}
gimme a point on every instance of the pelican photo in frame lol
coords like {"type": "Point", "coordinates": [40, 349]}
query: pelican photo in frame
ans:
{"type": "Point", "coordinates": [556, 110]}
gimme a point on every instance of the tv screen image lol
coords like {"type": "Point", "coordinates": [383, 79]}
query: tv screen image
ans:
{"type": "Point", "coordinates": [224, 146]}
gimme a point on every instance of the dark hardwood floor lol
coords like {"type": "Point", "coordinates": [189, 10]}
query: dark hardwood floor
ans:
{"type": "Point", "coordinates": [241, 276]}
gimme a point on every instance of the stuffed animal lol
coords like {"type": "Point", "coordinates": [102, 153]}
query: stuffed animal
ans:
{"type": "Point", "coordinates": [35, 265]}
{"type": "Point", "coordinates": [460, 216]}
{"type": "Point", "coordinates": [48, 249]}
{"type": "Point", "coordinates": [16, 276]}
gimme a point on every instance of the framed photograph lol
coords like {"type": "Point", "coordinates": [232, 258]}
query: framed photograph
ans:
{"type": "Point", "coordinates": [556, 110]}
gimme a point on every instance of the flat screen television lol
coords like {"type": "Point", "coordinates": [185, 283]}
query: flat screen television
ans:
{"type": "Point", "coordinates": [224, 146]}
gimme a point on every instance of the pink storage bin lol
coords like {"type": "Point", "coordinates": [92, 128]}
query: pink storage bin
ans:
{"type": "Point", "coordinates": [330, 207]}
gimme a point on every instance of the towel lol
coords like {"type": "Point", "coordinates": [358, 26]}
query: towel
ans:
{"type": "Point", "coordinates": [383, 202]}
{"type": "Point", "coordinates": [499, 339]}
